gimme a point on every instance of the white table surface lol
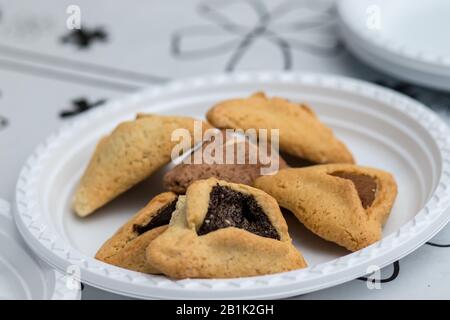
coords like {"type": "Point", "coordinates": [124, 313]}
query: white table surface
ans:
{"type": "Point", "coordinates": [132, 44]}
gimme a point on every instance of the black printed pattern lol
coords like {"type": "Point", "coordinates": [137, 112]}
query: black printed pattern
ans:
{"type": "Point", "coordinates": [392, 277]}
{"type": "Point", "coordinates": [314, 18]}
{"type": "Point", "coordinates": [27, 25]}
{"type": "Point", "coordinates": [80, 105]}
{"type": "Point", "coordinates": [83, 38]}
{"type": "Point", "coordinates": [443, 244]}
{"type": "Point", "coordinates": [438, 245]}
{"type": "Point", "coordinates": [438, 101]}
{"type": "Point", "coordinates": [3, 122]}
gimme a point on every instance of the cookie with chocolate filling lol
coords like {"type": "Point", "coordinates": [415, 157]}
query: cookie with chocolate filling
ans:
{"type": "Point", "coordinates": [345, 204]}
{"type": "Point", "coordinates": [126, 248]}
{"type": "Point", "coordinates": [301, 132]}
{"type": "Point", "coordinates": [130, 154]}
{"type": "Point", "coordinates": [224, 230]}
{"type": "Point", "coordinates": [243, 166]}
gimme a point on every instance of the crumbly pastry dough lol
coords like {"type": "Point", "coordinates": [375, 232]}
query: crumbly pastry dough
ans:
{"type": "Point", "coordinates": [301, 133]}
{"type": "Point", "coordinates": [326, 200]}
{"type": "Point", "coordinates": [180, 252]}
{"type": "Point", "coordinates": [126, 248]}
{"type": "Point", "coordinates": [130, 154]}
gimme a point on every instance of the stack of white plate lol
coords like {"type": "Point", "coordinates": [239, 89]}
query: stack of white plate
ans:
{"type": "Point", "coordinates": [406, 39]}
{"type": "Point", "coordinates": [22, 276]}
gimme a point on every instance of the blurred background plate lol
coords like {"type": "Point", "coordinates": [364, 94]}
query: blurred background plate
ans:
{"type": "Point", "coordinates": [22, 275]}
{"type": "Point", "coordinates": [406, 39]}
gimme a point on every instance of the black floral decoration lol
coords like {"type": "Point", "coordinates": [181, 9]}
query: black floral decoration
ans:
{"type": "Point", "coordinates": [313, 18]}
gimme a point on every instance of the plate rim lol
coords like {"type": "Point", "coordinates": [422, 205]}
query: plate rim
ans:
{"type": "Point", "coordinates": [60, 292]}
{"type": "Point", "coordinates": [432, 217]}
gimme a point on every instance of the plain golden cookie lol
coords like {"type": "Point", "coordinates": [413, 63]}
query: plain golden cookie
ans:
{"type": "Point", "coordinates": [130, 154]}
{"type": "Point", "coordinates": [301, 132]}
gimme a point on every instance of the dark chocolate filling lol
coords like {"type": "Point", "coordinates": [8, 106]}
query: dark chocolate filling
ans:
{"type": "Point", "coordinates": [161, 218]}
{"type": "Point", "coordinates": [365, 185]}
{"type": "Point", "coordinates": [230, 208]}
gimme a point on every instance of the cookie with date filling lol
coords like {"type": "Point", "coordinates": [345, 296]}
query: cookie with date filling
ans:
{"type": "Point", "coordinates": [301, 133]}
{"type": "Point", "coordinates": [342, 203]}
{"type": "Point", "coordinates": [224, 230]}
{"type": "Point", "coordinates": [131, 153]}
{"type": "Point", "coordinates": [126, 248]}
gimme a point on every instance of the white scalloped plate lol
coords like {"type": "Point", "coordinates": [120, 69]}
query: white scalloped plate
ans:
{"type": "Point", "coordinates": [406, 39]}
{"type": "Point", "coordinates": [383, 129]}
{"type": "Point", "coordinates": [22, 275]}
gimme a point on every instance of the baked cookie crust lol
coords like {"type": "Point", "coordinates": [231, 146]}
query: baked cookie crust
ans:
{"type": "Point", "coordinates": [130, 154]}
{"type": "Point", "coordinates": [224, 252]}
{"type": "Point", "coordinates": [342, 203]}
{"type": "Point", "coordinates": [126, 248]}
{"type": "Point", "coordinates": [180, 177]}
{"type": "Point", "coordinates": [301, 132]}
